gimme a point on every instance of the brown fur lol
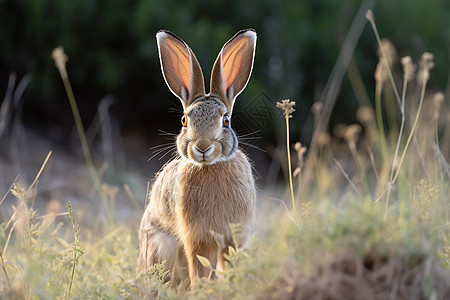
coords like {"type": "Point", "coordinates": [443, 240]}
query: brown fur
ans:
{"type": "Point", "coordinates": [211, 184]}
{"type": "Point", "coordinates": [187, 202]}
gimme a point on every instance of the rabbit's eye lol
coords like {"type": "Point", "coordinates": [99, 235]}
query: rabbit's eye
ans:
{"type": "Point", "coordinates": [226, 120]}
{"type": "Point", "coordinates": [184, 121]}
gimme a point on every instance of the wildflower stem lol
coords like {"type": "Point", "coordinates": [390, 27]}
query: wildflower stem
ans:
{"type": "Point", "coordinates": [359, 166]}
{"type": "Point", "coordinates": [77, 250]}
{"type": "Point", "coordinates": [4, 269]}
{"type": "Point", "coordinates": [61, 59]}
{"type": "Point", "coordinates": [288, 108]}
{"type": "Point", "coordinates": [379, 115]}
{"type": "Point", "coordinates": [371, 19]}
{"type": "Point", "coordinates": [289, 166]}
{"type": "Point", "coordinates": [80, 130]}
{"type": "Point", "coordinates": [436, 131]}
{"type": "Point", "coordinates": [411, 134]}
{"type": "Point", "coordinates": [72, 273]}
{"type": "Point", "coordinates": [397, 147]}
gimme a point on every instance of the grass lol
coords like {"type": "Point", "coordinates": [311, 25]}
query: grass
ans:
{"type": "Point", "coordinates": [374, 222]}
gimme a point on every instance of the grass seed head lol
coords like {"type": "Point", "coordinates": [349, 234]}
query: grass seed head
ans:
{"type": "Point", "coordinates": [19, 192]}
{"type": "Point", "coordinates": [381, 74]}
{"type": "Point", "coordinates": [60, 58]}
{"type": "Point", "coordinates": [317, 108]}
{"type": "Point", "coordinates": [352, 133]}
{"type": "Point", "coordinates": [323, 139]}
{"type": "Point", "coordinates": [287, 106]}
{"type": "Point", "coordinates": [389, 50]}
{"type": "Point", "coordinates": [339, 130]}
{"type": "Point", "coordinates": [426, 63]}
{"type": "Point", "coordinates": [369, 16]}
{"type": "Point", "coordinates": [438, 100]}
{"type": "Point", "coordinates": [301, 151]}
{"type": "Point", "coordinates": [364, 114]}
{"type": "Point", "coordinates": [409, 68]}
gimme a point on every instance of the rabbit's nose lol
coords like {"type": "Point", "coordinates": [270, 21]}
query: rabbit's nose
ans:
{"type": "Point", "coordinates": [203, 152]}
{"type": "Point", "coordinates": [203, 145]}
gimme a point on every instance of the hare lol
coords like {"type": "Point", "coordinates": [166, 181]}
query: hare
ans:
{"type": "Point", "coordinates": [210, 184]}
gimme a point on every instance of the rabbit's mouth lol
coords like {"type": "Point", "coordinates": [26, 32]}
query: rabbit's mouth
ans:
{"type": "Point", "coordinates": [204, 153]}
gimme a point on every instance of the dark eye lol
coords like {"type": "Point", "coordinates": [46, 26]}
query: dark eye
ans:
{"type": "Point", "coordinates": [184, 121]}
{"type": "Point", "coordinates": [226, 120]}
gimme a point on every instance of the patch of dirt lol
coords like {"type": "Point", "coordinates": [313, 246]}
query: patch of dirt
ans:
{"type": "Point", "coordinates": [372, 277]}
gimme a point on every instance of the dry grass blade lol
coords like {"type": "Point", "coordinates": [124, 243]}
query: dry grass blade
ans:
{"type": "Point", "coordinates": [371, 19]}
{"type": "Point", "coordinates": [331, 91]}
{"type": "Point", "coordinates": [132, 197]}
{"type": "Point", "coordinates": [6, 105]}
{"type": "Point", "coordinates": [40, 171]}
{"type": "Point", "coordinates": [10, 233]}
{"type": "Point", "coordinates": [61, 59]}
{"type": "Point", "coordinates": [341, 168]}
{"type": "Point", "coordinates": [11, 100]}
{"type": "Point", "coordinates": [4, 270]}
{"type": "Point", "coordinates": [9, 189]}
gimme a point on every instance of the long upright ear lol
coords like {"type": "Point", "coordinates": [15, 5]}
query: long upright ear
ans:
{"type": "Point", "coordinates": [233, 67]}
{"type": "Point", "coordinates": [180, 68]}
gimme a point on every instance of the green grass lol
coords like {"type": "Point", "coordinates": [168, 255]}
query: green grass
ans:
{"type": "Point", "coordinates": [347, 242]}
{"type": "Point", "coordinates": [366, 225]}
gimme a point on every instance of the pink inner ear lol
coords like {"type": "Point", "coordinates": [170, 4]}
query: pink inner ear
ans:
{"type": "Point", "coordinates": [180, 63]}
{"type": "Point", "coordinates": [232, 61]}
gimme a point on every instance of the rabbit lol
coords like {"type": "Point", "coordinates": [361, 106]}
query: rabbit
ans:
{"type": "Point", "coordinates": [210, 184]}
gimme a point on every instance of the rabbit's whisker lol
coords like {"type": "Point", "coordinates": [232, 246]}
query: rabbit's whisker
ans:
{"type": "Point", "coordinates": [253, 146]}
{"type": "Point", "coordinates": [219, 137]}
{"type": "Point", "coordinates": [161, 150]}
{"type": "Point", "coordinates": [248, 134]}
{"type": "Point", "coordinates": [171, 150]}
{"type": "Point", "coordinates": [162, 146]}
{"type": "Point", "coordinates": [252, 165]}
{"type": "Point", "coordinates": [249, 138]}
{"type": "Point", "coordinates": [162, 132]}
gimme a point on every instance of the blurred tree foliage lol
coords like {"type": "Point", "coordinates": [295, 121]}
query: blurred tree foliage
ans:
{"type": "Point", "coordinates": [112, 49]}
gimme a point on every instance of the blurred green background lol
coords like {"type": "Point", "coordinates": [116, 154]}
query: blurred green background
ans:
{"type": "Point", "coordinates": [112, 51]}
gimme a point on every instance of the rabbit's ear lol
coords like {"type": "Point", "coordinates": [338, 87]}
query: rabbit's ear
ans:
{"type": "Point", "coordinates": [180, 68]}
{"type": "Point", "coordinates": [233, 67]}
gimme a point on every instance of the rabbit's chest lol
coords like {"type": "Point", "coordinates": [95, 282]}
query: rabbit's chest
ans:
{"type": "Point", "coordinates": [211, 197]}
{"type": "Point", "coordinates": [214, 197]}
